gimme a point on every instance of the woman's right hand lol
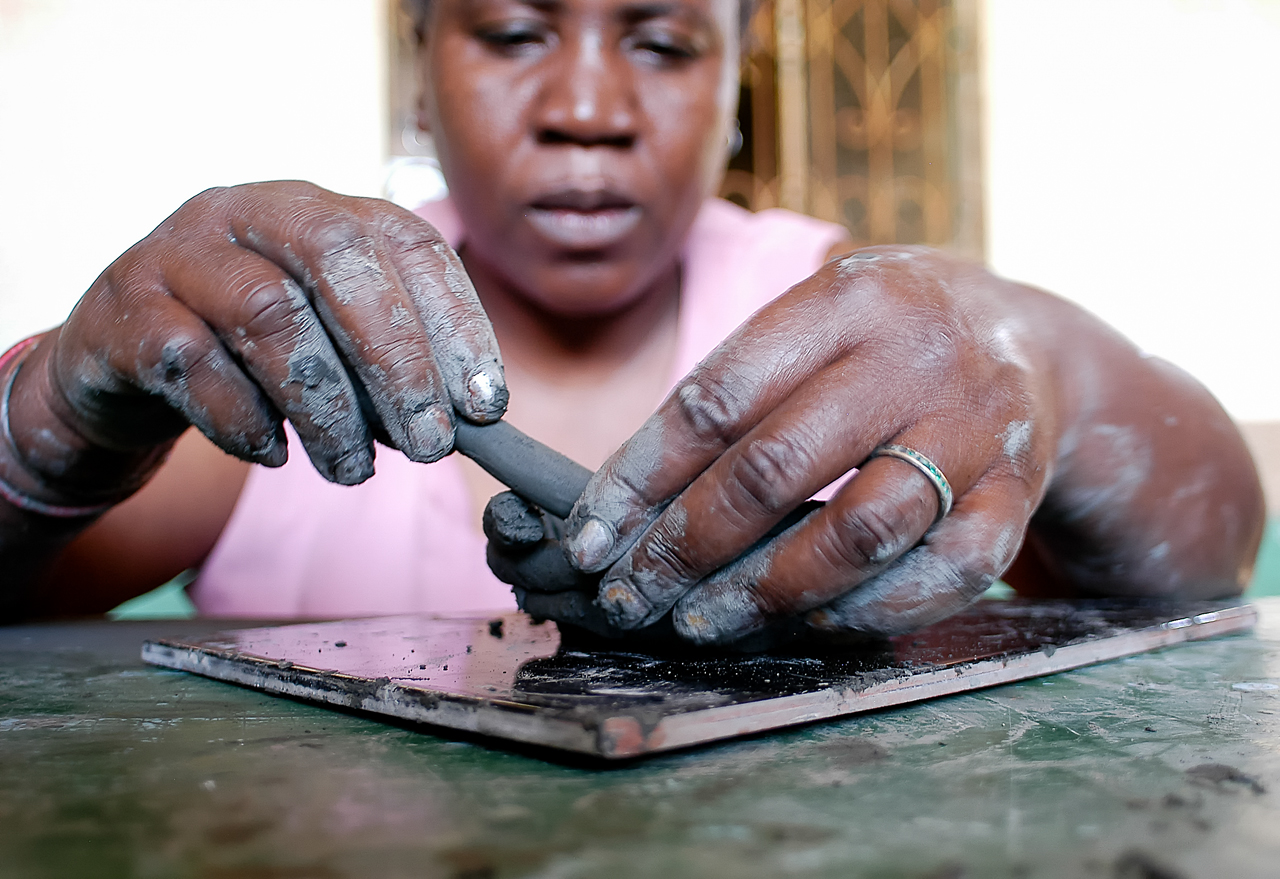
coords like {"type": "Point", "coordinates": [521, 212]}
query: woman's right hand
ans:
{"type": "Point", "coordinates": [271, 301]}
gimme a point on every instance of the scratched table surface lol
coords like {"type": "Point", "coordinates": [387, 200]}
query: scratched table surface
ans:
{"type": "Point", "coordinates": [1161, 765]}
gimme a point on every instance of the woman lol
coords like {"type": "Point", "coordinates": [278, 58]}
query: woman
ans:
{"type": "Point", "coordinates": [582, 141]}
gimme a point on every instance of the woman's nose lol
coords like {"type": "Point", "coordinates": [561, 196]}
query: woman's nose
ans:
{"type": "Point", "coordinates": [589, 99]}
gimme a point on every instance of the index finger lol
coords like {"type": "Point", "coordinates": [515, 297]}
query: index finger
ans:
{"type": "Point", "coordinates": [462, 339]}
{"type": "Point", "coordinates": [749, 375]}
{"type": "Point", "coordinates": [389, 270]}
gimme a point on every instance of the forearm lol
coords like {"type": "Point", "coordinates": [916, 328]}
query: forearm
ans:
{"type": "Point", "coordinates": [1153, 492]}
{"type": "Point", "coordinates": [54, 481]}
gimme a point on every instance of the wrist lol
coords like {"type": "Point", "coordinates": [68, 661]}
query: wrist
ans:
{"type": "Point", "coordinates": [46, 467]}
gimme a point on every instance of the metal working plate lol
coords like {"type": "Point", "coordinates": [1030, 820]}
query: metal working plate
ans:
{"type": "Point", "coordinates": [509, 677]}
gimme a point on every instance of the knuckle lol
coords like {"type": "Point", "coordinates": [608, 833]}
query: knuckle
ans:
{"type": "Point", "coordinates": [180, 354]}
{"type": "Point", "coordinates": [867, 537]}
{"type": "Point", "coordinates": [773, 599]}
{"type": "Point", "coordinates": [414, 236]}
{"type": "Point", "coordinates": [971, 573]}
{"type": "Point", "coordinates": [615, 488]}
{"type": "Point", "coordinates": [132, 274]}
{"type": "Point", "coordinates": [272, 307]}
{"type": "Point", "coordinates": [1004, 391]}
{"type": "Point", "coordinates": [211, 201]}
{"type": "Point", "coordinates": [295, 193]}
{"type": "Point", "coordinates": [916, 302]}
{"type": "Point", "coordinates": [666, 561]}
{"type": "Point", "coordinates": [952, 572]}
{"type": "Point", "coordinates": [403, 355]}
{"type": "Point", "coordinates": [985, 560]}
{"type": "Point", "coordinates": [767, 471]}
{"type": "Point", "coordinates": [300, 189]}
{"type": "Point", "coordinates": [861, 277]}
{"type": "Point", "coordinates": [319, 377]}
{"type": "Point", "coordinates": [936, 346]}
{"type": "Point", "coordinates": [404, 370]}
{"type": "Point", "coordinates": [334, 234]}
{"type": "Point", "coordinates": [710, 409]}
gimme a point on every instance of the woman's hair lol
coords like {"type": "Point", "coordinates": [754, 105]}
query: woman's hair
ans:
{"type": "Point", "coordinates": [419, 9]}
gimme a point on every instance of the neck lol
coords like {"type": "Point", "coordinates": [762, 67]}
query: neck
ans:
{"type": "Point", "coordinates": [555, 349]}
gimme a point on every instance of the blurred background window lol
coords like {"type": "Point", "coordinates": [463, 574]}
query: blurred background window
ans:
{"type": "Point", "coordinates": [866, 113]}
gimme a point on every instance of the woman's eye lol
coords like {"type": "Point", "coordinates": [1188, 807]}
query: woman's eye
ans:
{"type": "Point", "coordinates": [512, 38]}
{"type": "Point", "coordinates": [665, 49]}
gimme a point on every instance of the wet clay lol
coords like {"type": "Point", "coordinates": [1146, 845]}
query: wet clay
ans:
{"type": "Point", "coordinates": [536, 472]}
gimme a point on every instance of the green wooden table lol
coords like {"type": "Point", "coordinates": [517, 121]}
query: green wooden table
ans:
{"type": "Point", "coordinates": [1162, 765]}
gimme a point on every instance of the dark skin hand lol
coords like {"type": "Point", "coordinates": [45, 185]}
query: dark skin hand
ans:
{"type": "Point", "coordinates": [1132, 479]}
{"type": "Point", "coordinates": [247, 307]}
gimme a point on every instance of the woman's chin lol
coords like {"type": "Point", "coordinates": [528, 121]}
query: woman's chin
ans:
{"type": "Point", "coordinates": [583, 292]}
{"type": "Point", "coordinates": [588, 306]}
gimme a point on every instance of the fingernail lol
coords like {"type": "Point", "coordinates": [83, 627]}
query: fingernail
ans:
{"type": "Point", "coordinates": [716, 615]}
{"type": "Point", "coordinates": [430, 434]}
{"type": "Point", "coordinates": [353, 469]}
{"type": "Point", "coordinates": [486, 392]}
{"type": "Point", "coordinates": [591, 545]}
{"type": "Point", "coordinates": [624, 607]}
{"type": "Point", "coordinates": [821, 619]}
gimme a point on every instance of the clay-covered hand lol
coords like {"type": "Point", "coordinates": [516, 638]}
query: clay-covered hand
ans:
{"type": "Point", "coordinates": [349, 317]}
{"type": "Point", "coordinates": [525, 549]}
{"type": "Point", "coordinates": [525, 552]}
{"type": "Point", "coordinates": [524, 538]}
{"type": "Point", "coordinates": [889, 345]}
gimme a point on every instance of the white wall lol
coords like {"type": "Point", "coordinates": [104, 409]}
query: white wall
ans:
{"type": "Point", "coordinates": [113, 113]}
{"type": "Point", "coordinates": [1133, 165]}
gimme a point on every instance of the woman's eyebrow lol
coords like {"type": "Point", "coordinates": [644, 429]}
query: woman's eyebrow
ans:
{"type": "Point", "coordinates": [543, 6]}
{"type": "Point", "coordinates": [637, 12]}
{"type": "Point", "coordinates": [631, 13]}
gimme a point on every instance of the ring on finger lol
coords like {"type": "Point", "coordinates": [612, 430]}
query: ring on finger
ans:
{"type": "Point", "coordinates": [930, 470]}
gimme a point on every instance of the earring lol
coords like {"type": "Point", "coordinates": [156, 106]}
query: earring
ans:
{"type": "Point", "coordinates": [734, 139]}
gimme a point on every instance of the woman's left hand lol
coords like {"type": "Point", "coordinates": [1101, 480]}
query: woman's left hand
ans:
{"type": "Point", "coordinates": [895, 344]}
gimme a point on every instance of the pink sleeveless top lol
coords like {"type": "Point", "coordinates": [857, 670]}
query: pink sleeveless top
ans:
{"type": "Point", "coordinates": [408, 539]}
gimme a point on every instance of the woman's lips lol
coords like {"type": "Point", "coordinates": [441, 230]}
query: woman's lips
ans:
{"type": "Point", "coordinates": [579, 220]}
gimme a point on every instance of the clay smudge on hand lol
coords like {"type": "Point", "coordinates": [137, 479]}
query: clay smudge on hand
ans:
{"type": "Point", "coordinates": [924, 586]}
{"type": "Point", "coordinates": [479, 388]}
{"type": "Point", "coordinates": [615, 508]}
{"type": "Point", "coordinates": [353, 271]}
{"type": "Point", "coordinates": [634, 597]}
{"type": "Point", "coordinates": [324, 390]}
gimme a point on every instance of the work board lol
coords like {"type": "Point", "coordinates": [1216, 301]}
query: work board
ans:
{"type": "Point", "coordinates": [513, 679]}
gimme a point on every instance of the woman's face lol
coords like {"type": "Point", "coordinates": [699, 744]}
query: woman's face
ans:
{"type": "Point", "coordinates": [579, 137]}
